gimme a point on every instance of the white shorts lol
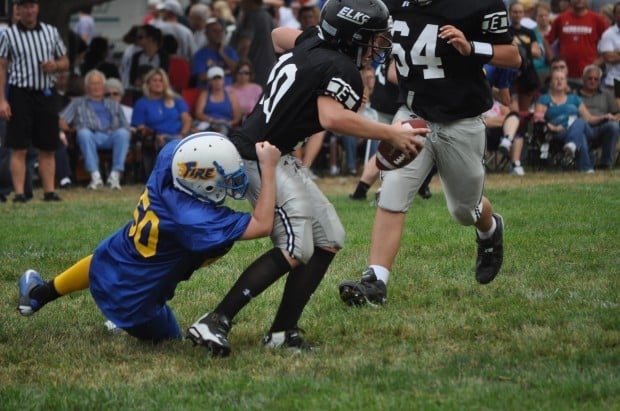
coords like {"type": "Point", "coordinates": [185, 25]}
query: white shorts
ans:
{"type": "Point", "coordinates": [305, 218]}
{"type": "Point", "coordinates": [457, 149]}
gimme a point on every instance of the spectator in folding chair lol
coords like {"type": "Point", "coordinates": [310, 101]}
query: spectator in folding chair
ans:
{"type": "Point", "coordinates": [603, 106]}
{"type": "Point", "coordinates": [100, 124]}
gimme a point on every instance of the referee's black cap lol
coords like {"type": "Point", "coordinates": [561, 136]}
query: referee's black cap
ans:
{"type": "Point", "coordinates": [25, 1]}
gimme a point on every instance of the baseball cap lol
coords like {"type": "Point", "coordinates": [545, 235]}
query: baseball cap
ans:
{"type": "Point", "coordinates": [172, 6]}
{"type": "Point", "coordinates": [215, 71]}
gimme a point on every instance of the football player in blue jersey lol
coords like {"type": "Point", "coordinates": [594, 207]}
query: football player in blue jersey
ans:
{"type": "Point", "coordinates": [179, 225]}
{"type": "Point", "coordinates": [440, 47]}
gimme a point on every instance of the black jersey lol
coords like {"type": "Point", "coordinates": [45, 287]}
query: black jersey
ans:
{"type": "Point", "coordinates": [287, 113]}
{"type": "Point", "coordinates": [440, 84]}
{"type": "Point", "coordinates": [384, 97]}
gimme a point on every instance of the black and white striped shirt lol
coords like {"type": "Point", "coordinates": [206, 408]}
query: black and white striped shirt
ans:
{"type": "Point", "coordinates": [26, 50]}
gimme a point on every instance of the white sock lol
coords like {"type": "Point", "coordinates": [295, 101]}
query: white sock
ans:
{"type": "Point", "coordinates": [488, 234]}
{"type": "Point", "coordinates": [114, 174]}
{"type": "Point", "coordinates": [95, 176]}
{"type": "Point", "coordinates": [382, 273]}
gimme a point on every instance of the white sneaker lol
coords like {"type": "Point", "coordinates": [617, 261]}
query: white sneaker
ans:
{"type": "Point", "coordinates": [570, 147]}
{"type": "Point", "coordinates": [569, 154]}
{"type": "Point", "coordinates": [95, 184]}
{"type": "Point", "coordinates": [517, 171]}
{"type": "Point", "coordinates": [113, 181]}
{"type": "Point", "coordinates": [504, 146]}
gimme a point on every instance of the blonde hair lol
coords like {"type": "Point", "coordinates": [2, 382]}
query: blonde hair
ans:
{"type": "Point", "coordinates": [169, 94]}
{"type": "Point", "coordinates": [223, 8]}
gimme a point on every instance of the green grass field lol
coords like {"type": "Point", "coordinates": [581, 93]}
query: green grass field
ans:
{"type": "Point", "coordinates": [545, 335]}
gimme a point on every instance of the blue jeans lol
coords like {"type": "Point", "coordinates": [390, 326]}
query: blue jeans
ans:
{"type": "Point", "coordinates": [579, 133]}
{"type": "Point", "coordinates": [349, 144]}
{"type": "Point", "coordinates": [90, 141]}
{"type": "Point", "coordinates": [607, 134]}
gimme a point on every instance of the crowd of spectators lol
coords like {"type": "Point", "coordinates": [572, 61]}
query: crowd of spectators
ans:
{"type": "Point", "coordinates": [566, 89]}
{"type": "Point", "coordinates": [222, 50]}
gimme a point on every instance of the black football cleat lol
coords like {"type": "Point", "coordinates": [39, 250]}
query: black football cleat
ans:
{"type": "Point", "coordinates": [490, 253]}
{"type": "Point", "coordinates": [211, 331]}
{"type": "Point", "coordinates": [369, 290]}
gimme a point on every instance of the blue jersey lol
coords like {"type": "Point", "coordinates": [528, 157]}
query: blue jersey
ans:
{"type": "Point", "coordinates": [136, 270]}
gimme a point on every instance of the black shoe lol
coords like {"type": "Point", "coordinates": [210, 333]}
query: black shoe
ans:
{"type": "Point", "coordinates": [369, 290]}
{"type": "Point", "coordinates": [357, 197]}
{"type": "Point", "coordinates": [51, 197]}
{"type": "Point", "coordinates": [490, 253]}
{"type": "Point", "coordinates": [20, 198]}
{"type": "Point", "coordinates": [290, 339]}
{"type": "Point", "coordinates": [211, 331]}
{"type": "Point", "coordinates": [2, 198]}
{"type": "Point", "coordinates": [425, 192]}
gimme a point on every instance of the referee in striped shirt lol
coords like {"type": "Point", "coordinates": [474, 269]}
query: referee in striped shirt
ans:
{"type": "Point", "coordinates": [30, 53]}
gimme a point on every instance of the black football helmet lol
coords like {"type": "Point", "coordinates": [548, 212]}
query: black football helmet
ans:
{"type": "Point", "coordinates": [354, 26]}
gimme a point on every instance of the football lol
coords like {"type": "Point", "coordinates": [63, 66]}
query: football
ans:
{"type": "Point", "coordinates": [389, 157]}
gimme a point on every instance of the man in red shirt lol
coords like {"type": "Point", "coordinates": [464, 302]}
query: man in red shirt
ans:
{"type": "Point", "coordinates": [578, 31]}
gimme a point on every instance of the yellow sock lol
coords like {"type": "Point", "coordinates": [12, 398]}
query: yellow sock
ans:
{"type": "Point", "coordinates": [74, 278]}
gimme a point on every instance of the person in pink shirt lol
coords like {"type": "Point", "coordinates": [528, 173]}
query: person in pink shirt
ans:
{"type": "Point", "coordinates": [244, 87]}
{"type": "Point", "coordinates": [578, 31]}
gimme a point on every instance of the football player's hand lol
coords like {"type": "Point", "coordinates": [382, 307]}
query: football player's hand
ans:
{"type": "Point", "coordinates": [268, 154]}
{"type": "Point", "coordinates": [406, 139]}
{"type": "Point", "coordinates": [456, 39]}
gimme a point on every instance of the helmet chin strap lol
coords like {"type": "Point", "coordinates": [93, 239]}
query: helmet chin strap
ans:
{"type": "Point", "coordinates": [359, 59]}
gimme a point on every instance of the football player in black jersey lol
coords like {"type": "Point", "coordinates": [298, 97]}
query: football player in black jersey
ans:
{"type": "Point", "coordinates": [440, 47]}
{"type": "Point", "coordinates": [315, 85]}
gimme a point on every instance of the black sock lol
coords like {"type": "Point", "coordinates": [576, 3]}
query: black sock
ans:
{"type": "Point", "coordinates": [300, 285]}
{"type": "Point", "coordinates": [254, 280]}
{"type": "Point", "coordinates": [44, 293]}
{"type": "Point", "coordinates": [360, 190]}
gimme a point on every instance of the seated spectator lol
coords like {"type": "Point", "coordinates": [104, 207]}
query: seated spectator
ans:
{"type": "Point", "coordinates": [215, 53]}
{"type": "Point", "coordinates": [131, 40]}
{"type": "Point", "coordinates": [96, 57]}
{"type": "Point", "coordinates": [559, 63]}
{"type": "Point", "coordinates": [308, 16]}
{"type": "Point", "coordinates": [244, 87]}
{"type": "Point", "coordinates": [62, 98]}
{"type": "Point", "coordinates": [161, 110]}
{"type": "Point", "coordinates": [114, 90]}
{"type": "Point", "coordinates": [504, 125]}
{"type": "Point", "coordinates": [149, 39]}
{"type": "Point", "coordinates": [197, 17]}
{"type": "Point", "coordinates": [566, 117]}
{"type": "Point", "coordinates": [603, 106]}
{"type": "Point", "coordinates": [217, 106]}
{"type": "Point", "coordinates": [222, 11]}
{"type": "Point", "coordinates": [100, 124]}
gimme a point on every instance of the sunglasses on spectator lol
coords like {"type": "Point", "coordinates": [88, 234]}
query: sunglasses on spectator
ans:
{"type": "Point", "coordinates": [113, 94]}
{"type": "Point", "coordinates": [244, 72]}
{"type": "Point", "coordinates": [593, 78]}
